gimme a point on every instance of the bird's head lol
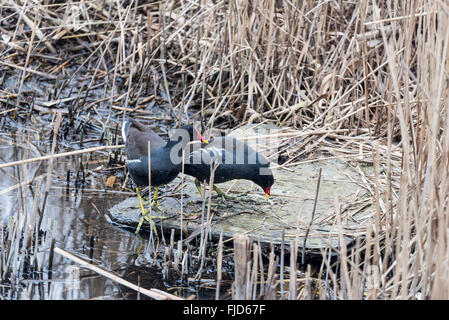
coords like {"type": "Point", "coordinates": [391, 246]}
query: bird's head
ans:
{"type": "Point", "coordinates": [265, 180]}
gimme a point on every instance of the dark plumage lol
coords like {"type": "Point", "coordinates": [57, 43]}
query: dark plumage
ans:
{"type": "Point", "coordinates": [165, 156]}
{"type": "Point", "coordinates": [236, 160]}
{"type": "Point", "coordinates": [136, 136]}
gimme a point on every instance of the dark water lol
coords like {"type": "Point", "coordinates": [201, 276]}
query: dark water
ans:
{"type": "Point", "coordinates": [75, 217]}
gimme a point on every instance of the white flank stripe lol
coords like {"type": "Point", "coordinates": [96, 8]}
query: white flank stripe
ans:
{"type": "Point", "coordinates": [134, 161]}
{"type": "Point", "coordinates": [123, 131]}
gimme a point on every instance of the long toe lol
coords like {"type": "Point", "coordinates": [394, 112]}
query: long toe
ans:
{"type": "Point", "coordinates": [223, 197]}
{"type": "Point", "coordinates": [149, 218]}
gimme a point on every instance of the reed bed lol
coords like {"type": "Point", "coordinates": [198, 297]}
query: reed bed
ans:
{"type": "Point", "coordinates": [369, 76]}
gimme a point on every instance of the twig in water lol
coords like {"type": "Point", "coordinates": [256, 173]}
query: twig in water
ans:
{"type": "Point", "coordinates": [59, 155]}
{"type": "Point", "coordinates": [152, 293]}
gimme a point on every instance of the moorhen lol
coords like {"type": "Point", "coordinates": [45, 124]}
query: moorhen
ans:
{"type": "Point", "coordinates": [236, 160]}
{"type": "Point", "coordinates": [165, 164]}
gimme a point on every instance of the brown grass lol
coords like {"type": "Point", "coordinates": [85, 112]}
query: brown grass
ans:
{"type": "Point", "coordinates": [372, 79]}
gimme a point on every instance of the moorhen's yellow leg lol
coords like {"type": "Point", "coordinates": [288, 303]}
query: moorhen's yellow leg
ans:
{"type": "Point", "coordinates": [198, 186]}
{"type": "Point", "coordinates": [155, 202]}
{"type": "Point", "coordinates": [144, 213]}
{"type": "Point", "coordinates": [220, 192]}
{"type": "Point", "coordinates": [147, 202]}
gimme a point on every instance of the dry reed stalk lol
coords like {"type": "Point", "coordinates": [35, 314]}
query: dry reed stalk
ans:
{"type": "Point", "coordinates": [240, 266]}
{"type": "Point", "coordinates": [254, 273]}
{"type": "Point", "coordinates": [293, 288]}
{"type": "Point", "coordinates": [282, 255]}
{"type": "Point", "coordinates": [206, 224]}
{"type": "Point", "coordinates": [311, 219]}
{"type": "Point", "coordinates": [19, 185]}
{"type": "Point", "coordinates": [50, 166]}
{"type": "Point", "coordinates": [271, 275]}
{"type": "Point", "coordinates": [346, 287]}
{"type": "Point", "coordinates": [308, 287]}
{"type": "Point", "coordinates": [219, 266]}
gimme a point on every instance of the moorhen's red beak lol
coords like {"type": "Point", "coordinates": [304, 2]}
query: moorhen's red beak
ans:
{"type": "Point", "coordinates": [267, 192]}
{"type": "Point", "coordinates": [200, 137]}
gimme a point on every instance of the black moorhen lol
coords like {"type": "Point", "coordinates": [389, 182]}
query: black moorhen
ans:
{"type": "Point", "coordinates": [236, 160]}
{"type": "Point", "coordinates": [165, 161]}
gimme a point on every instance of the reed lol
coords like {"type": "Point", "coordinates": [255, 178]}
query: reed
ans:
{"type": "Point", "coordinates": [364, 81]}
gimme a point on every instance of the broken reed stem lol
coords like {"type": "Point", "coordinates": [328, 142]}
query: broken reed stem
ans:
{"type": "Point", "coordinates": [152, 293]}
{"type": "Point", "coordinates": [60, 155]}
{"type": "Point", "coordinates": [240, 266]}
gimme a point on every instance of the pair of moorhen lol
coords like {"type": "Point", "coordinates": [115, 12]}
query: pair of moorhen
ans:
{"type": "Point", "coordinates": [235, 159]}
